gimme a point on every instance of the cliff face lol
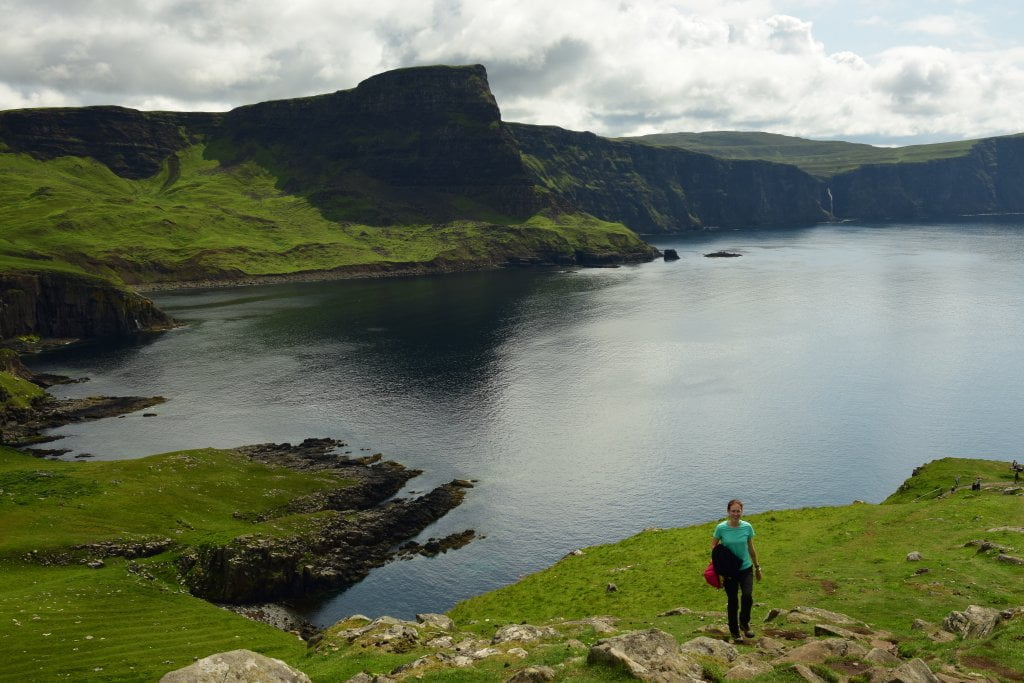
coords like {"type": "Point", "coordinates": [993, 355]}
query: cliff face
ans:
{"type": "Point", "coordinates": [133, 144]}
{"type": "Point", "coordinates": [407, 145]}
{"type": "Point", "coordinates": [58, 305]}
{"type": "Point", "coordinates": [654, 189]}
{"type": "Point", "coordinates": [989, 179]}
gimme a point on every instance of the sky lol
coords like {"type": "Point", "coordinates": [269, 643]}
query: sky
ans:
{"type": "Point", "coordinates": [888, 72]}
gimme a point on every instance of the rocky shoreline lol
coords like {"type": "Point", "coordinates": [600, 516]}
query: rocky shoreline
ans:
{"type": "Point", "coordinates": [361, 532]}
{"type": "Point", "coordinates": [353, 528]}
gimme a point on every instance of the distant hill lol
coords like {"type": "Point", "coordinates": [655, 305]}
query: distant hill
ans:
{"type": "Point", "coordinates": [415, 171]}
{"type": "Point", "coordinates": [820, 158]}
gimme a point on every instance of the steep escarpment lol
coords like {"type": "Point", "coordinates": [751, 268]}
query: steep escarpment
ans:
{"type": "Point", "coordinates": [133, 144]}
{"type": "Point", "coordinates": [402, 146]}
{"type": "Point", "coordinates": [988, 179]}
{"type": "Point", "coordinates": [53, 304]}
{"type": "Point", "coordinates": [659, 189]}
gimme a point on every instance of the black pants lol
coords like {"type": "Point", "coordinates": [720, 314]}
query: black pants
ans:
{"type": "Point", "coordinates": [744, 581]}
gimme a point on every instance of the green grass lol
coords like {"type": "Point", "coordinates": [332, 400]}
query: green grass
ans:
{"type": "Point", "coordinates": [850, 559]}
{"type": "Point", "coordinates": [197, 219]}
{"type": "Point", "coordinates": [17, 393]}
{"type": "Point", "coordinates": [120, 623]}
{"type": "Point", "coordinates": [822, 158]}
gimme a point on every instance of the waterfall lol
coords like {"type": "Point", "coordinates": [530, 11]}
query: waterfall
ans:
{"type": "Point", "coordinates": [831, 202]}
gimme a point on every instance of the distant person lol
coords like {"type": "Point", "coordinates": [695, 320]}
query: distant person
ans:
{"type": "Point", "coordinates": [738, 537]}
{"type": "Point", "coordinates": [976, 486]}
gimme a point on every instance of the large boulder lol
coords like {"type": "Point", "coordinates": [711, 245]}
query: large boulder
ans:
{"type": "Point", "coordinates": [650, 655]}
{"type": "Point", "coordinates": [236, 666]}
{"type": "Point", "coordinates": [973, 622]}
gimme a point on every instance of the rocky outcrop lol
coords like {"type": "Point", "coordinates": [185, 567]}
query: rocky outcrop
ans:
{"type": "Point", "coordinates": [661, 189]}
{"type": "Point", "coordinates": [52, 304]}
{"type": "Point", "coordinates": [133, 144]}
{"type": "Point", "coordinates": [236, 665]}
{"type": "Point", "coordinates": [337, 550]}
{"type": "Point", "coordinates": [650, 655]}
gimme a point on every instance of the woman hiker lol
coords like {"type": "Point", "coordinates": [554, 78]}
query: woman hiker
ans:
{"type": "Point", "coordinates": [738, 537]}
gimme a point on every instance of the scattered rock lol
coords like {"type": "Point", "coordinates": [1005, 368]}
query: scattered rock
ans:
{"type": "Point", "coordinates": [523, 633]}
{"type": "Point", "coordinates": [650, 655]}
{"type": "Point", "coordinates": [1015, 529]}
{"type": "Point", "coordinates": [533, 674]}
{"type": "Point", "coordinates": [825, 615]}
{"type": "Point", "coordinates": [670, 255]}
{"type": "Point", "coordinates": [236, 665]}
{"type": "Point", "coordinates": [437, 621]}
{"type": "Point", "coordinates": [914, 557]}
{"type": "Point", "coordinates": [95, 564]}
{"type": "Point", "coordinates": [611, 588]}
{"type": "Point", "coordinates": [599, 624]}
{"type": "Point", "coordinates": [882, 658]}
{"type": "Point", "coordinates": [710, 647]}
{"type": "Point", "coordinates": [370, 678]}
{"type": "Point", "coordinates": [675, 612]}
{"type": "Point", "coordinates": [805, 673]}
{"type": "Point", "coordinates": [1010, 559]}
{"type": "Point", "coordinates": [833, 631]}
{"type": "Point", "coordinates": [817, 651]}
{"type": "Point", "coordinates": [974, 622]}
{"type": "Point", "coordinates": [914, 671]}
{"type": "Point", "coordinates": [575, 553]}
{"type": "Point", "coordinates": [747, 670]}
{"type": "Point", "coordinates": [722, 254]}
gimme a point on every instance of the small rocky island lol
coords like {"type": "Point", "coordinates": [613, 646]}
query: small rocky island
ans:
{"type": "Point", "coordinates": [723, 254]}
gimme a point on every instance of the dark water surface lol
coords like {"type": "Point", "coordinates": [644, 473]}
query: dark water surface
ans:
{"type": "Point", "coordinates": [818, 368]}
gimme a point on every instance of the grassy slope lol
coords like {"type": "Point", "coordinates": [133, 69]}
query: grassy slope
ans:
{"type": "Point", "coordinates": [851, 559]}
{"type": "Point", "coordinates": [196, 219]}
{"type": "Point", "coordinates": [16, 392]}
{"type": "Point", "coordinates": [65, 621]}
{"type": "Point", "coordinates": [822, 158]}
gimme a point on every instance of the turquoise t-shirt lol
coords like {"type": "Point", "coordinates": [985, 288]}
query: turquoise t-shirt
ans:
{"type": "Point", "coordinates": [735, 539]}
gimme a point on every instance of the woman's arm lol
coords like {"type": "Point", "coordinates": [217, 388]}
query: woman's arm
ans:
{"type": "Point", "coordinates": [753, 558]}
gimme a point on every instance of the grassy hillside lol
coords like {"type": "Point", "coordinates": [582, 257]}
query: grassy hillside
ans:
{"type": "Point", "coordinates": [198, 219]}
{"type": "Point", "coordinates": [821, 158]}
{"type": "Point", "coordinates": [131, 620]}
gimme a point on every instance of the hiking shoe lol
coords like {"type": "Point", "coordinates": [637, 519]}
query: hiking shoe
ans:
{"type": "Point", "coordinates": [748, 633]}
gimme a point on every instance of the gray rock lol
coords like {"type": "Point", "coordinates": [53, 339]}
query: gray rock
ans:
{"type": "Point", "coordinates": [882, 658]}
{"type": "Point", "coordinates": [747, 670]}
{"type": "Point", "coordinates": [364, 677]}
{"type": "Point", "coordinates": [834, 631]}
{"type": "Point", "coordinates": [437, 620]}
{"type": "Point", "coordinates": [825, 615]}
{"type": "Point", "coordinates": [533, 674]}
{"type": "Point", "coordinates": [484, 653]}
{"type": "Point", "coordinates": [914, 557]}
{"type": "Point", "coordinates": [611, 588]}
{"type": "Point", "coordinates": [805, 673]}
{"type": "Point", "coordinates": [914, 671]}
{"type": "Point", "coordinates": [771, 647]}
{"type": "Point", "coordinates": [599, 624]}
{"type": "Point", "coordinates": [523, 633]}
{"type": "Point", "coordinates": [711, 647]}
{"type": "Point", "coordinates": [236, 666]}
{"type": "Point", "coordinates": [650, 655]}
{"type": "Point", "coordinates": [1009, 559]}
{"type": "Point", "coordinates": [974, 622]}
{"type": "Point", "coordinates": [675, 612]}
{"type": "Point", "coordinates": [817, 651]}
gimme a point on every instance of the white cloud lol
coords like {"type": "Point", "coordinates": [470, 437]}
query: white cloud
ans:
{"type": "Point", "coordinates": [612, 66]}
